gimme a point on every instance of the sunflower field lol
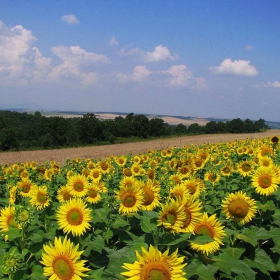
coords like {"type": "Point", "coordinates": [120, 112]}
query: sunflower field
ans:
{"type": "Point", "coordinates": [195, 212]}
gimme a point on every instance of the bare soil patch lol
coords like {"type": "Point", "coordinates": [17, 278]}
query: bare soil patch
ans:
{"type": "Point", "coordinates": [99, 152]}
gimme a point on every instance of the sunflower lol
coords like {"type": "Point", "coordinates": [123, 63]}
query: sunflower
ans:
{"type": "Point", "coordinates": [153, 264]}
{"type": "Point", "coordinates": [194, 186]}
{"type": "Point", "coordinates": [13, 195]}
{"type": "Point", "coordinates": [265, 161]}
{"type": "Point", "coordinates": [193, 213]}
{"type": "Point", "coordinates": [176, 178]}
{"type": "Point", "coordinates": [265, 180]}
{"type": "Point", "coordinates": [77, 185]}
{"type": "Point", "coordinates": [93, 195]}
{"type": "Point", "coordinates": [245, 168]}
{"type": "Point", "coordinates": [151, 174]}
{"type": "Point", "coordinates": [74, 216]}
{"type": "Point", "coordinates": [7, 218]}
{"type": "Point", "coordinates": [63, 194]}
{"type": "Point", "coordinates": [178, 191]}
{"type": "Point", "coordinates": [95, 174]}
{"type": "Point", "coordinates": [127, 172]}
{"type": "Point", "coordinates": [25, 186]}
{"type": "Point", "coordinates": [131, 199]}
{"type": "Point", "coordinates": [151, 195]}
{"type": "Point", "coordinates": [212, 176]}
{"type": "Point", "coordinates": [265, 150]}
{"type": "Point", "coordinates": [172, 216]}
{"type": "Point", "coordinates": [137, 170]}
{"type": "Point", "coordinates": [121, 161]}
{"type": "Point", "coordinates": [274, 139]}
{"type": "Point", "coordinates": [104, 166]}
{"type": "Point", "coordinates": [62, 261]}
{"type": "Point", "coordinates": [239, 207]}
{"type": "Point", "coordinates": [209, 226]}
{"type": "Point", "coordinates": [226, 170]}
{"type": "Point", "coordinates": [39, 197]}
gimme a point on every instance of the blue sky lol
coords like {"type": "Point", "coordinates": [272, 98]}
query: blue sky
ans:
{"type": "Point", "coordinates": [190, 58]}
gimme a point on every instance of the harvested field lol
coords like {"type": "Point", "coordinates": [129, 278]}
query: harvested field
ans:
{"type": "Point", "coordinates": [99, 152]}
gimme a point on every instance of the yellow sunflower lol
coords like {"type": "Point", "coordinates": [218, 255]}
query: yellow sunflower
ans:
{"type": "Point", "coordinates": [25, 186]}
{"type": "Point", "coordinates": [212, 176]}
{"type": "Point", "coordinates": [39, 197]}
{"type": "Point", "coordinates": [265, 180]}
{"type": "Point", "coordinates": [194, 186]}
{"type": "Point", "coordinates": [151, 195]}
{"type": "Point", "coordinates": [209, 226]}
{"type": "Point", "coordinates": [74, 216]}
{"type": "Point", "coordinates": [153, 264]}
{"type": "Point", "coordinates": [131, 199]}
{"type": "Point", "coordinates": [62, 261]}
{"type": "Point", "coordinates": [176, 178]}
{"type": "Point", "coordinates": [245, 168]}
{"type": "Point", "coordinates": [121, 161]}
{"type": "Point", "coordinates": [63, 194]}
{"type": "Point", "coordinates": [193, 213]}
{"type": "Point", "coordinates": [172, 216]}
{"type": "Point", "coordinates": [93, 195]}
{"type": "Point", "coordinates": [13, 195]}
{"type": "Point", "coordinates": [179, 191]}
{"type": "Point", "coordinates": [265, 161]}
{"type": "Point", "coordinates": [239, 207]}
{"type": "Point", "coordinates": [95, 174]}
{"type": "Point", "coordinates": [137, 170]}
{"type": "Point", "coordinates": [77, 185]}
{"type": "Point", "coordinates": [265, 150]}
{"type": "Point", "coordinates": [226, 170]}
{"type": "Point", "coordinates": [7, 218]}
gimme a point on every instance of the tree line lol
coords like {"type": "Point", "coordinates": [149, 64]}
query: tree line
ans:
{"type": "Point", "coordinates": [24, 131]}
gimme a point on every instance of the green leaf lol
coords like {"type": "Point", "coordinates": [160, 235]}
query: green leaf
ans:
{"type": "Point", "coordinates": [175, 239]}
{"type": "Point", "coordinates": [37, 236]}
{"type": "Point", "coordinates": [120, 222]}
{"type": "Point", "coordinates": [13, 233]}
{"type": "Point", "coordinates": [96, 274]}
{"type": "Point", "coordinates": [202, 239]}
{"type": "Point", "coordinates": [146, 225]}
{"type": "Point", "coordinates": [97, 244]}
{"type": "Point", "coordinates": [262, 262]}
{"type": "Point", "coordinates": [37, 276]}
{"type": "Point", "coordinates": [232, 253]}
{"type": "Point", "coordinates": [206, 272]}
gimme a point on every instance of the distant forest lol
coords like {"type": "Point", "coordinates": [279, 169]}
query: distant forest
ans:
{"type": "Point", "coordinates": [23, 131]}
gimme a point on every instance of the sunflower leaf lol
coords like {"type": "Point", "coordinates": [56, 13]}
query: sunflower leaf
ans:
{"type": "Point", "coordinates": [146, 225]}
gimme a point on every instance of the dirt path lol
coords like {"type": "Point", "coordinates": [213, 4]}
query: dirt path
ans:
{"type": "Point", "coordinates": [98, 152]}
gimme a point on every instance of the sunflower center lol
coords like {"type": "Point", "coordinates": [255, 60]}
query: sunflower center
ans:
{"type": "Point", "coordinates": [155, 271]}
{"type": "Point", "coordinates": [205, 230]}
{"type": "Point", "coordinates": [63, 268]}
{"type": "Point", "coordinates": [67, 196]}
{"type": "Point", "coordinates": [148, 196]}
{"type": "Point", "coordinates": [26, 188]}
{"type": "Point", "coordinates": [226, 170]}
{"type": "Point", "coordinates": [238, 208]}
{"type": "Point", "coordinates": [129, 200]}
{"type": "Point", "coordinates": [95, 175]}
{"type": "Point", "coordinates": [41, 198]}
{"type": "Point", "coordinates": [264, 181]}
{"type": "Point", "coordinates": [170, 218]}
{"type": "Point", "coordinates": [78, 187]}
{"type": "Point", "coordinates": [75, 217]}
{"type": "Point", "coordinates": [92, 193]}
{"type": "Point", "coordinates": [246, 167]}
{"type": "Point", "coordinates": [177, 180]}
{"type": "Point", "coordinates": [191, 188]}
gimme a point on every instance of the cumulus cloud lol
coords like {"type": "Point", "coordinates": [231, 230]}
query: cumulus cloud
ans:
{"type": "Point", "coordinates": [70, 19]}
{"type": "Point", "coordinates": [140, 73]}
{"type": "Point", "coordinates": [160, 53]}
{"type": "Point", "coordinates": [236, 67]}
{"type": "Point", "coordinates": [275, 84]}
{"type": "Point", "coordinates": [76, 64]}
{"type": "Point", "coordinates": [20, 61]}
{"type": "Point", "coordinates": [113, 42]}
{"type": "Point", "coordinates": [180, 75]}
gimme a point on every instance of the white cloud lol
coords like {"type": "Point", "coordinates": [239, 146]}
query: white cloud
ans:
{"type": "Point", "coordinates": [20, 61]}
{"type": "Point", "coordinates": [236, 67]}
{"type": "Point", "coordinates": [76, 65]}
{"type": "Point", "coordinates": [249, 48]}
{"type": "Point", "coordinates": [275, 84]}
{"type": "Point", "coordinates": [113, 42]}
{"type": "Point", "coordinates": [70, 19]}
{"type": "Point", "coordinates": [140, 73]}
{"type": "Point", "coordinates": [180, 75]}
{"type": "Point", "coordinates": [160, 53]}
